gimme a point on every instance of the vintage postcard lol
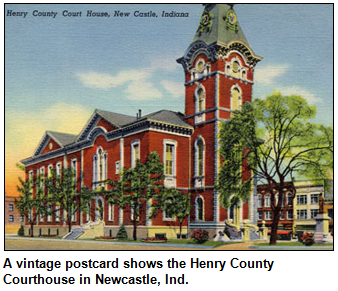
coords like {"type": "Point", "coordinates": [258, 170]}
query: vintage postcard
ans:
{"type": "Point", "coordinates": [169, 127]}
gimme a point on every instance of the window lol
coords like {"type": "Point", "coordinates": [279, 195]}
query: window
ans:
{"type": "Point", "coordinates": [289, 214]}
{"type": "Point", "coordinates": [73, 213]}
{"type": "Point", "coordinates": [236, 99]}
{"type": "Point", "coordinates": [200, 100]}
{"type": "Point", "coordinates": [169, 160]}
{"type": "Point", "coordinates": [132, 211]}
{"type": "Point", "coordinates": [22, 218]}
{"type": "Point", "coordinates": [235, 66]}
{"type": "Point", "coordinates": [11, 207]}
{"type": "Point", "coordinates": [199, 209]}
{"type": "Point", "coordinates": [199, 162]}
{"type": "Point", "coordinates": [49, 216]}
{"type": "Point", "coordinates": [74, 167]}
{"type": "Point", "coordinates": [57, 213]}
{"type": "Point", "coordinates": [199, 104]}
{"type": "Point", "coordinates": [301, 199]}
{"type": "Point", "coordinates": [49, 171]}
{"type": "Point", "coordinates": [260, 215]}
{"type": "Point", "coordinates": [267, 200]}
{"type": "Point", "coordinates": [302, 214]}
{"type": "Point", "coordinates": [11, 218]}
{"type": "Point", "coordinates": [314, 198]}
{"type": "Point", "coordinates": [330, 213]}
{"type": "Point", "coordinates": [58, 169]}
{"type": "Point", "coordinates": [110, 211]}
{"type": "Point", "coordinates": [259, 201]}
{"type": "Point", "coordinates": [42, 176]}
{"type": "Point", "coordinates": [117, 168]}
{"type": "Point", "coordinates": [282, 216]}
{"type": "Point", "coordinates": [267, 215]}
{"type": "Point", "coordinates": [290, 198]}
{"type": "Point", "coordinates": [135, 152]}
{"type": "Point", "coordinates": [99, 167]}
{"type": "Point", "coordinates": [30, 176]}
{"type": "Point", "coordinates": [314, 213]}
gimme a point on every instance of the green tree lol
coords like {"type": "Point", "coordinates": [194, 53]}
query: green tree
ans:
{"type": "Point", "coordinates": [174, 203]}
{"type": "Point", "coordinates": [136, 187]}
{"type": "Point", "coordinates": [62, 192]}
{"type": "Point", "coordinates": [275, 141]}
{"type": "Point", "coordinates": [29, 205]}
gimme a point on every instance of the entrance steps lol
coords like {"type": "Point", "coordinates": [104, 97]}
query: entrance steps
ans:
{"type": "Point", "coordinates": [92, 229]}
{"type": "Point", "coordinates": [74, 234]}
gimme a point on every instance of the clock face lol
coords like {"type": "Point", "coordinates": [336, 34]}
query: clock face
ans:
{"type": "Point", "coordinates": [205, 19]}
{"type": "Point", "coordinates": [232, 18]}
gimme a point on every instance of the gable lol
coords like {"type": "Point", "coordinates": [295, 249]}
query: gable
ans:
{"type": "Point", "coordinates": [106, 125]}
{"type": "Point", "coordinates": [50, 145]}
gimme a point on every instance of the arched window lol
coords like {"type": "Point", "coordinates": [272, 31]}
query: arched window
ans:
{"type": "Point", "coordinates": [289, 198]}
{"type": "Point", "coordinates": [199, 209]}
{"type": "Point", "coordinates": [267, 200]}
{"type": "Point", "coordinates": [99, 167]}
{"type": "Point", "coordinates": [259, 201]}
{"type": "Point", "coordinates": [200, 100]}
{"type": "Point", "coordinates": [236, 98]}
{"type": "Point", "coordinates": [200, 157]}
{"type": "Point", "coordinates": [110, 211]}
{"type": "Point", "coordinates": [199, 162]}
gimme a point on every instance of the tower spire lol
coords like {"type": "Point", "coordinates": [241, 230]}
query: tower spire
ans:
{"type": "Point", "coordinates": [218, 32]}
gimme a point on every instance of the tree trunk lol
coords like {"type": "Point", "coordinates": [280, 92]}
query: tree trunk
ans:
{"type": "Point", "coordinates": [134, 229]}
{"type": "Point", "coordinates": [32, 228]}
{"type": "Point", "coordinates": [274, 227]}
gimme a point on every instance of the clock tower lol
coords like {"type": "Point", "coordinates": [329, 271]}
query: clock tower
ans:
{"type": "Point", "coordinates": [218, 67]}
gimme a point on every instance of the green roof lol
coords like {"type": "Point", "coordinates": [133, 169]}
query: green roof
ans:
{"type": "Point", "coordinates": [219, 23]}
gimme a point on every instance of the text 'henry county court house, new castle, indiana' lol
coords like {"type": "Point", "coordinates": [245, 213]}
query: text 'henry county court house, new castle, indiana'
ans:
{"type": "Point", "coordinates": [218, 77]}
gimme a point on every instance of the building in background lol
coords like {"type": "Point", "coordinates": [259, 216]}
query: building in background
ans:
{"type": "Point", "coordinates": [264, 207]}
{"type": "Point", "coordinates": [13, 219]}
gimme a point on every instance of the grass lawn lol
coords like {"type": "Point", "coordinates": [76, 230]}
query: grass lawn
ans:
{"type": "Point", "coordinates": [171, 241]}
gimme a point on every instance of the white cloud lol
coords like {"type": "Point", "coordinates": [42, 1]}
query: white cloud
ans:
{"type": "Point", "coordinates": [106, 81]}
{"type": "Point", "coordinates": [296, 90]}
{"type": "Point", "coordinates": [176, 89]}
{"type": "Point", "coordinates": [142, 90]}
{"type": "Point", "coordinates": [269, 74]}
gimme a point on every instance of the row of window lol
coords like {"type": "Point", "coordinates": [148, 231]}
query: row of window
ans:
{"type": "Point", "coordinates": [268, 215]}
{"type": "Point", "coordinates": [11, 218]}
{"type": "Point", "coordinates": [303, 199]}
{"type": "Point", "coordinates": [200, 98]}
{"type": "Point", "coordinates": [233, 68]}
{"type": "Point", "coordinates": [267, 200]}
{"type": "Point", "coordinates": [301, 214]}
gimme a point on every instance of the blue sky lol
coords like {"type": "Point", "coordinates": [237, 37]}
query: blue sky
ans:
{"type": "Point", "coordinates": [58, 70]}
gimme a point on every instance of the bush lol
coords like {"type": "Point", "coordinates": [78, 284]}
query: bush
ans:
{"type": "Point", "coordinates": [200, 236]}
{"type": "Point", "coordinates": [122, 233]}
{"type": "Point", "coordinates": [21, 231]}
{"type": "Point", "coordinates": [307, 239]}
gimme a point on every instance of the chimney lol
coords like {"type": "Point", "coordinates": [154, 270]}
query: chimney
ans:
{"type": "Point", "coordinates": [139, 113]}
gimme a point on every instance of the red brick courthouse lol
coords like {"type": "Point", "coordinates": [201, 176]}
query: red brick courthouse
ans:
{"type": "Point", "coordinates": [218, 77]}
